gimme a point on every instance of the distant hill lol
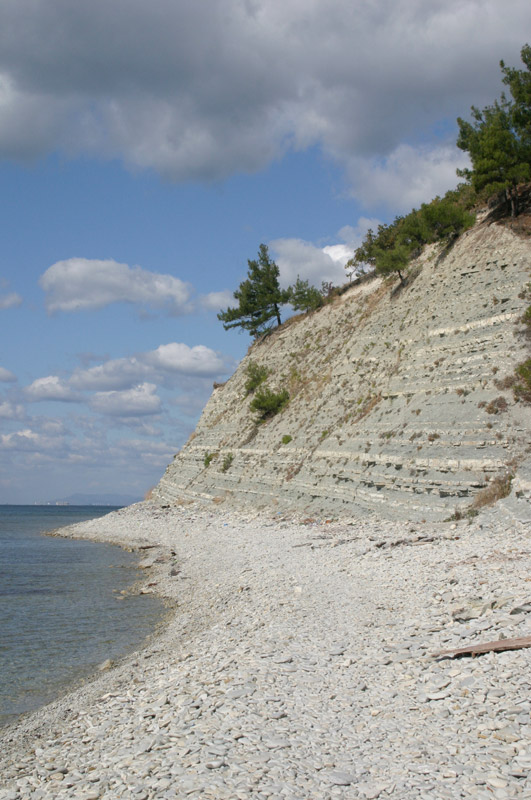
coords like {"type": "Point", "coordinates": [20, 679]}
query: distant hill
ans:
{"type": "Point", "coordinates": [80, 499]}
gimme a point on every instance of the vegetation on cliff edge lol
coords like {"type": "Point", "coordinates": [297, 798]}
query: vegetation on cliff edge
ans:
{"type": "Point", "coordinates": [498, 141]}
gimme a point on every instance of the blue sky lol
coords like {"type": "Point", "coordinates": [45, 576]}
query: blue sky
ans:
{"type": "Point", "coordinates": [146, 150]}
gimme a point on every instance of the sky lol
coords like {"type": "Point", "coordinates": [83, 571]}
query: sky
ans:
{"type": "Point", "coordinates": [148, 149]}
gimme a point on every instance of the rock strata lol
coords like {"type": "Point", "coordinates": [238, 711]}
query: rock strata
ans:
{"type": "Point", "coordinates": [299, 663]}
{"type": "Point", "coordinates": [398, 399]}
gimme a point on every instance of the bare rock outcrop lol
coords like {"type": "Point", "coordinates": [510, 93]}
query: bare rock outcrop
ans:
{"type": "Point", "coordinates": [397, 399]}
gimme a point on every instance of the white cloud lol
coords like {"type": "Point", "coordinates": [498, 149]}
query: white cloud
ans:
{"type": "Point", "coordinates": [296, 257]}
{"type": "Point", "coordinates": [51, 388]}
{"type": "Point", "coordinates": [56, 457]}
{"type": "Point", "coordinates": [118, 373]}
{"type": "Point", "coordinates": [6, 376]}
{"type": "Point", "coordinates": [9, 410]}
{"type": "Point", "coordinates": [179, 358]}
{"type": "Point", "coordinates": [79, 284]}
{"type": "Point", "coordinates": [27, 440]}
{"type": "Point", "coordinates": [10, 300]}
{"type": "Point", "coordinates": [195, 95]}
{"type": "Point", "coordinates": [162, 365]}
{"type": "Point", "coordinates": [217, 301]}
{"type": "Point", "coordinates": [139, 401]}
{"type": "Point", "coordinates": [407, 177]}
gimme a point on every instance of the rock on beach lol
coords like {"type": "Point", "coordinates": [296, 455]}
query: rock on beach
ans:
{"type": "Point", "coordinates": [298, 662]}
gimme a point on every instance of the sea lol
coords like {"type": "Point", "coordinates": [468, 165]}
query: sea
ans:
{"type": "Point", "coordinates": [64, 605]}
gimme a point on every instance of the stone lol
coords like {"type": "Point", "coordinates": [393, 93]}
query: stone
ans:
{"type": "Point", "coordinates": [339, 778]}
{"type": "Point", "coordinates": [166, 726]}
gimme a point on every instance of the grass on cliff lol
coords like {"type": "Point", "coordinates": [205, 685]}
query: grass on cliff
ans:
{"type": "Point", "coordinates": [522, 384]}
{"type": "Point", "coordinates": [393, 246]}
{"type": "Point", "coordinates": [256, 375]}
{"type": "Point", "coordinates": [267, 403]}
{"type": "Point", "coordinates": [497, 489]}
{"type": "Point", "coordinates": [522, 388]}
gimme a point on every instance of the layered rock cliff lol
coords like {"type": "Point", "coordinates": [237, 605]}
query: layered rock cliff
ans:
{"type": "Point", "coordinates": [396, 403]}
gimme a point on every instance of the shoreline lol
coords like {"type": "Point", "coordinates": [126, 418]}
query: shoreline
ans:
{"type": "Point", "coordinates": [105, 651]}
{"type": "Point", "coordinates": [298, 662]}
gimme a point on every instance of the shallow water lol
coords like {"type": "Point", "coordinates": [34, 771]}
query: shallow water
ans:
{"type": "Point", "coordinates": [61, 611]}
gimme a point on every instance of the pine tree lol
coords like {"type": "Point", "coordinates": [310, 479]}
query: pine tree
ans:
{"type": "Point", "coordinates": [304, 297]}
{"type": "Point", "coordinates": [259, 297]}
{"type": "Point", "coordinates": [498, 139]}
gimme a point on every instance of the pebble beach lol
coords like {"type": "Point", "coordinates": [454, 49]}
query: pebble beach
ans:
{"type": "Point", "coordinates": [299, 661]}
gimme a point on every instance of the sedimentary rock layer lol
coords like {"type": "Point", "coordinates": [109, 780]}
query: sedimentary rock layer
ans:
{"type": "Point", "coordinates": [396, 403]}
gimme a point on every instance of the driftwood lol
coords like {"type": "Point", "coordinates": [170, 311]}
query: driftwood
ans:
{"type": "Point", "coordinates": [400, 542]}
{"type": "Point", "coordinates": [488, 647]}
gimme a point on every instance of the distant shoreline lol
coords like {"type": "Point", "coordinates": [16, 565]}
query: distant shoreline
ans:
{"type": "Point", "coordinates": [53, 643]}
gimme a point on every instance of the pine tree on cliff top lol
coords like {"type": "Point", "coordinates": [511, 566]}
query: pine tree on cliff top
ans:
{"type": "Point", "coordinates": [259, 297]}
{"type": "Point", "coordinates": [498, 139]}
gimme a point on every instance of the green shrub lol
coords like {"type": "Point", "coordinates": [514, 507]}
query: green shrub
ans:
{"type": "Point", "coordinates": [256, 374]}
{"type": "Point", "coordinates": [304, 297]}
{"type": "Point", "coordinates": [227, 462]}
{"type": "Point", "coordinates": [392, 247]}
{"type": "Point", "coordinates": [267, 403]}
{"type": "Point", "coordinates": [526, 319]}
{"type": "Point", "coordinates": [522, 389]}
{"type": "Point", "coordinates": [286, 439]}
{"type": "Point", "coordinates": [208, 458]}
{"type": "Point", "coordinates": [444, 219]}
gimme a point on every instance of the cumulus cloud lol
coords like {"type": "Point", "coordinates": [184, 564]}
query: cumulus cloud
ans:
{"type": "Point", "coordinates": [139, 401]}
{"type": "Point", "coordinates": [51, 388]}
{"type": "Point", "coordinates": [10, 300]}
{"type": "Point", "coordinates": [54, 457]}
{"type": "Point", "coordinates": [406, 177]}
{"type": "Point", "coordinates": [162, 365]}
{"type": "Point", "coordinates": [296, 257]}
{"type": "Point", "coordinates": [79, 284]}
{"type": "Point", "coordinates": [27, 440]}
{"type": "Point", "coordinates": [179, 358]}
{"type": "Point", "coordinates": [9, 410]}
{"type": "Point", "coordinates": [118, 373]}
{"type": "Point", "coordinates": [195, 95]}
{"type": "Point", "coordinates": [216, 301]}
{"type": "Point", "coordinates": [6, 376]}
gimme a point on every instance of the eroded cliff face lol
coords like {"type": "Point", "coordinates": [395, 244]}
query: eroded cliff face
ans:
{"type": "Point", "coordinates": [396, 405]}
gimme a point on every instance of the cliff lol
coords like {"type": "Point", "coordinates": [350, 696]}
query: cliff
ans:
{"type": "Point", "coordinates": [397, 403]}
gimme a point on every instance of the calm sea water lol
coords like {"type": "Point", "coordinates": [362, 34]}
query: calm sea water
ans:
{"type": "Point", "coordinates": [61, 611]}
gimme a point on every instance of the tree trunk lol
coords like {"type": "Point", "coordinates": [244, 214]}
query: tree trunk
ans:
{"type": "Point", "coordinates": [277, 314]}
{"type": "Point", "coordinates": [512, 198]}
{"type": "Point", "coordinates": [514, 201]}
